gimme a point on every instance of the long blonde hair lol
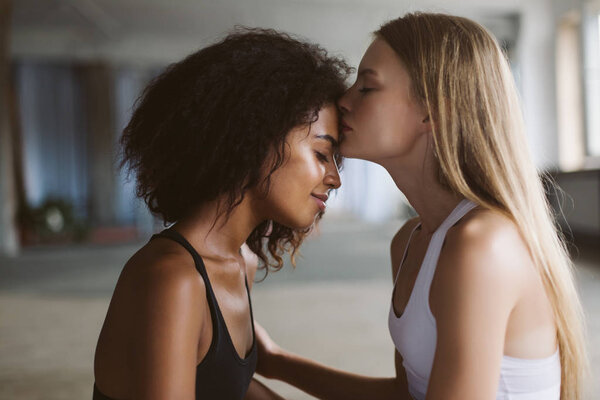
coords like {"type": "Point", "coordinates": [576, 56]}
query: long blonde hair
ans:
{"type": "Point", "coordinates": [460, 74]}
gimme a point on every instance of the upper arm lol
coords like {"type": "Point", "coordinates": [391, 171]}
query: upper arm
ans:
{"type": "Point", "coordinates": [167, 326]}
{"type": "Point", "coordinates": [477, 285]}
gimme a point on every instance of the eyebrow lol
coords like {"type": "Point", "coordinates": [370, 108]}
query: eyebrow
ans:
{"type": "Point", "coordinates": [328, 138]}
{"type": "Point", "coordinates": [366, 71]}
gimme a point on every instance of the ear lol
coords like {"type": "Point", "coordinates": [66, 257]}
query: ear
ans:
{"type": "Point", "coordinates": [426, 124]}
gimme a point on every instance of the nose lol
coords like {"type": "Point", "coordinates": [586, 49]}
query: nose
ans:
{"type": "Point", "coordinates": [332, 176]}
{"type": "Point", "coordinates": [343, 102]}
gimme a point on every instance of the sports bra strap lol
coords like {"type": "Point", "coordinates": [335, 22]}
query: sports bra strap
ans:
{"type": "Point", "coordinates": [178, 237]}
{"type": "Point", "coordinates": [412, 232]}
{"type": "Point", "coordinates": [436, 243]}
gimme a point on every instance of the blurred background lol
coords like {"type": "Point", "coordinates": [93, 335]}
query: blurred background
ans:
{"type": "Point", "coordinates": [70, 72]}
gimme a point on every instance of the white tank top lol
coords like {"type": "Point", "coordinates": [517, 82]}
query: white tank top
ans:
{"type": "Point", "coordinates": [415, 335]}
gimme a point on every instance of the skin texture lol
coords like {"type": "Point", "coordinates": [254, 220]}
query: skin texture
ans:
{"type": "Point", "coordinates": [159, 320]}
{"type": "Point", "coordinates": [390, 123]}
{"type": "Point", "coordinates": [484, 278]}
{"type": "Point", "coordinates": [291, 201]}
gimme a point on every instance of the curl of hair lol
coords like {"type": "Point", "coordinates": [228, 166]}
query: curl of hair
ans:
{"type": "Point", "coordinates": [204, 128]}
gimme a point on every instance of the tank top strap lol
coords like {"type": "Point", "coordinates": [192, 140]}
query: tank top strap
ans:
{"type": "Point", "coordinates": [412, 233]}
{"type": "Point", "coordinates": [215, 312]}
{"type": "Point", "coordinates": [198, 262]}
{"type": "Point", "coordinates": [459, 211]}
{"type": "Point", "coordinates": [251, 311]}
{"type": "Point", "coordinates": [214, 307]}
{"type": "Point", "coordinates": [435, 245]}
{"type": "Point", "coordinates": [178, 237]}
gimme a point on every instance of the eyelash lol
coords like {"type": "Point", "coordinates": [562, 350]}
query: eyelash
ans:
{"type": "Point", "coordinates": [365, 90]}
{"type": "Point", "coordinates": [321, 157]}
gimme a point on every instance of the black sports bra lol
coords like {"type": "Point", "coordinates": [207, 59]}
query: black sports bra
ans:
{"type": "Point", "coordinates": [222, 374]}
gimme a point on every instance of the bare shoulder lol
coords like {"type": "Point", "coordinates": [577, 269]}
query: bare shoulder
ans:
{"type": "Point", "coordinates": [164, 263]}
{"type": "Point", "coordinates": [489, 234]}
{"type": "Point", "coordinates": [480, 276]}
{"type": "Point", "coordinates": [251, 260]}
{"type": "Point", "coordinates": [486, 249]}
{"type": "Point", "coordinates": [163, 276]}
{"type": "Point", "coordinates": [156, 316]}
{"type": "Point", "coordinates": [399, 243]}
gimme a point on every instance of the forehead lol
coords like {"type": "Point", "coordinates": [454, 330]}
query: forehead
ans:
{"type": "Point", "coordinates": [380, 58]}
{"type": "Point", "coordinates": [326, 124]}
{"type": "Point", "coordinates": [325, 128]}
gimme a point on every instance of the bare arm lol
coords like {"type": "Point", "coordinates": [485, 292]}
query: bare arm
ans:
{"type": "Point", "coordinates": [329, 383]}
{"type": "Point", "coordinates": [324, 382]}
{"type": "Point", "coordinates": [167, 325]}
{"type": "Point", "coordinates": [478, 280]}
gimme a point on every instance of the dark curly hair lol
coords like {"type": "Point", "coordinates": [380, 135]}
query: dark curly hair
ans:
{"type": "Point", "coordinates": [207, 125]}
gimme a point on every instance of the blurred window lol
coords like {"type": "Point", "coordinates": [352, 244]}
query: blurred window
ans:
{"type": "Point", "coordinates": [591, 55]}
{"type": "Point", "coordinates": [53, 122]}
{"type": "Point", "coordinates": [570, 114]}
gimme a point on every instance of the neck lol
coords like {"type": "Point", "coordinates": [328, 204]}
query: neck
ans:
{"type": "Point", "coordinates": [417, 180]}
{"type": "Point", "coordinates": [210, 228]}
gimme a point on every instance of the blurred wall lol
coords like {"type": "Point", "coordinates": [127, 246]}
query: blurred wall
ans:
{"type": "Point", "coordinates": [133, 39]}
{"type": "Point", "coordinates": [8, 234]}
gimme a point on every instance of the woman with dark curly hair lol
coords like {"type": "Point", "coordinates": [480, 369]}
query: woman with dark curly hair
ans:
{"type": "Point", "coordinates": [236, 145]}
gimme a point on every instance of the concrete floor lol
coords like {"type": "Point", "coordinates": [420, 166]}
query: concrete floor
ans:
{"type": "Point", "coordinates": [332, 307]}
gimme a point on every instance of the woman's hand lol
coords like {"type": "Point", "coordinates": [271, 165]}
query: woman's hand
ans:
{"type": "Point", "coordinates": [268, 351]}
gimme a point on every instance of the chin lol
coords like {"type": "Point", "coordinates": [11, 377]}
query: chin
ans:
{"type": "Point", "coordinates": [346, 150]}
{"type": "Point", "coordinates": [304, 225]}
{"type": "Point", "coordinates": [360, 155]}
{"type": "Point", "coordinates": [352, 150]}
{"type": "Point", "coordinates": [299, 223]}
{"type": "Point", "coordinates": [357, 151]}
{"type": "Point", "coordinates": [308, 223]}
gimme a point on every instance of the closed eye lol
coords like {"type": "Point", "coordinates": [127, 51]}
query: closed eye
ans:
{"type": "Point", "coordinates": [365, 90]}
{"type": "Point", "coordinates": [321, 157]}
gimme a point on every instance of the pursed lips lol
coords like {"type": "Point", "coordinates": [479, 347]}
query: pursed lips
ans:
{"type": "Point", "coordinates": [345, 126]}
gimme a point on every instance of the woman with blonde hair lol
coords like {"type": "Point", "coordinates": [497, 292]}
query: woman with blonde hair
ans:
{"type": "Point", "coordinates": [484, 304]}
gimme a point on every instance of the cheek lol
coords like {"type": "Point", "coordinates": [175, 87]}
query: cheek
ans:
{"type": "Point", "coordinates": [385, 127]}
{"type": "Point", "coordinates": [295, 181]}
{"type": "Point", "coordinates": [373, 130]}
{"type": "Point", "coordinates": [289, 200]}
{"type": "Point", "coordinates": [386, 114]}
{"type": "Point", "coordinates": [305, 173]}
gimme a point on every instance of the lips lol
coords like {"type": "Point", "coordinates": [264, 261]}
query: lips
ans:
{"type": "Point", "coordinates": [344, 126]}
{"type": "Point", "coordinates": [320, 199]}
